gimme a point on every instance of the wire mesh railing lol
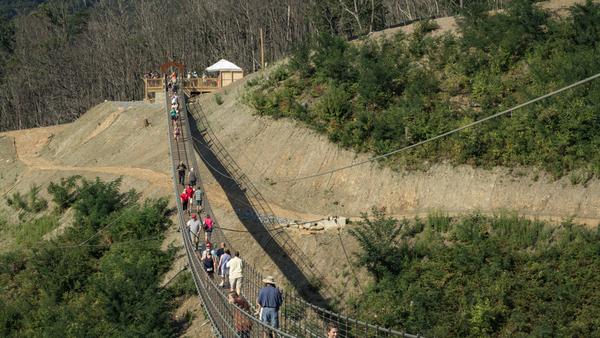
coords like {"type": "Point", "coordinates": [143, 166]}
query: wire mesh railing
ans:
{"type": "Point", "coordinates": [227, 319]}
{"type": "Point", "coordinates": [298, 317]}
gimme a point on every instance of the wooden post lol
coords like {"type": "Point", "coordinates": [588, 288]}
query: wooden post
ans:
{"type": "Point", "coordinates": [262, 50]}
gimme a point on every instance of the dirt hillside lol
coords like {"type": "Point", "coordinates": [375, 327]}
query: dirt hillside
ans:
{"type": "Point", "coordinates": [279, 150]}
{"type": "Point", "coordinates": [111, 140]}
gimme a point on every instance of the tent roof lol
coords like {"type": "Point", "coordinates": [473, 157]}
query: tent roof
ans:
{"type": "Point", "coordinates": [223, 65]}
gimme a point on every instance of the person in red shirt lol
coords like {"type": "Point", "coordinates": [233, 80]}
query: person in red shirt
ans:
{"type": "Point", "coordinates": [189, 191]}
{"type": "Point", "coordinates": [185, 198]}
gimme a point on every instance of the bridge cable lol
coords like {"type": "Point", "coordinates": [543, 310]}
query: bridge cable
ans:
{"type": "Point", "coordinates": [504, 112]}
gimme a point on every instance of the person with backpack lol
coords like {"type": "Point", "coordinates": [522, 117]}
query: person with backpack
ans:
{"type": "Point", "coordinates": [209, 265]}
{"type": "Point", "coordinates": [208, 228]}
{"type": "Point", "coordinates": [181, 168]}
{"type": "Point", "coordinates": [241, 323]}
{"type": "Point", "coordinates": [192, 177]}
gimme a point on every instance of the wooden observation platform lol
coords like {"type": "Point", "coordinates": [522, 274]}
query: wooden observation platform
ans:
{"type": "Point", "coordinates": [215, 77]}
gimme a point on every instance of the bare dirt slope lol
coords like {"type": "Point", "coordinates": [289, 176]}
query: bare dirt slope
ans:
{"type": "Point", "coordinates": [279, 150]}
{"type": "Point", "coordinates": [112, 140]}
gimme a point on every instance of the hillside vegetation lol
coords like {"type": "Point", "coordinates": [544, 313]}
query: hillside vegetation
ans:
{"type": "Point", "coordinates": [100, 277]}
{"type": "Point", "coordinates": [478, 276]}
{"type": "Point", "coordinates": [378, 96]}
{"type": "Point", "coordinates": [58, 58]}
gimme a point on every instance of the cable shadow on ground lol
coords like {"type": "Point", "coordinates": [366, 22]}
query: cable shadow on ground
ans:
{"type": "Point", "coordinates": [252, 220]}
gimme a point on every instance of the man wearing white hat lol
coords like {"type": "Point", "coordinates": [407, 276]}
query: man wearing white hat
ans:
{"type": "Point", "coordinates": [269, 300]}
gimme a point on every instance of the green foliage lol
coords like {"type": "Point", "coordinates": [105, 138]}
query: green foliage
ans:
{"type": "Point", "coordinates": [64, 193]}
{"type": "Point", "coordinates": [107, 286]}
{"type": "Point", "coordinates": [183, 285]}
{"type": "Point", "coordinates": [378, 239]}
{"type": "Point", "coordinates": [218, 99]}
{"type": "Point", "coordinates": [100, 200]}
{"type": "Point", "coordinates": [425, 26]}
{"type": "Point", "coordinates": [30, 203]}
{"type": "Point", "coordinates": [478, 276]}
{"type": "Point", "coordinates": [585, 28]}
{"type": "Point", "coordinates": [31, 232]}
{"type": "Point", "coordinates": [380, 96]}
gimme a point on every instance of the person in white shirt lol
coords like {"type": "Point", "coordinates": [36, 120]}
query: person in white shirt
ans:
{"type": "Point", "coordinates": [235, 266]}
{"type": "Point", "coordinates": [194, 226]}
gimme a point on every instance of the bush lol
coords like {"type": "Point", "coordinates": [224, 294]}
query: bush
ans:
{"type": "Point", "coordinates": [218, 99]}
{"type": "Point", "coordinates": [379, 96]}
{"type": "Point", "coordinates": [378, 237]}
{"type": "Point", "coordinates": [65, 193]}
{"type": "Point", "coordinates": [481, 276]}
{"type": "Point", "coordinates": [183, 285]}
{"type": "Point", "coordinates": [89, 288]}
{"type": "Point", "coordinates": [30, 203]}
{"type": "Point", "coordinates": [425, 26]}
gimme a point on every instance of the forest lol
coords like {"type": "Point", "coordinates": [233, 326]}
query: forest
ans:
{"type": "Point", "coordinates": [380, 95]}
{"type": "Point", "coordinates": [100, 277]}
{"type": "Point", "coordinates": [58, 58]}
{"type": "Point", "coordinates": [480, 276]}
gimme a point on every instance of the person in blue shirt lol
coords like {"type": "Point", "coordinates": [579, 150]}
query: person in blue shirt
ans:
{"type": "Point", "coordinates": [269, 300]}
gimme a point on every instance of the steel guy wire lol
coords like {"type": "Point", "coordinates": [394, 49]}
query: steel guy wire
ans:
{"type": "Point", "coordinates": [504, 112]}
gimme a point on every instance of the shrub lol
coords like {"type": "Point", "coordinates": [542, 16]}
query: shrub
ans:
{"type": "Point", "coordinates": [492, 277]}
{"type": "Point", "coordinates": [218, 99]}
{"type": "Point", "coordinates": [378, 96]}
{"type": "Point", "coordinates": [30, 203]}
{"type": "Point", "coordinates": [65, 193]}
{"type": "Point", "coordinates": [425, 26]}
{"type": "Point", "coordinates": [183, 285]}
{"type": "Point", "coordinates": [378, 236]}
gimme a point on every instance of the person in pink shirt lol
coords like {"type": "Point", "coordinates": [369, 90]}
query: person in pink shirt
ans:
{"type": "Point", "coordinates": [208, 228]}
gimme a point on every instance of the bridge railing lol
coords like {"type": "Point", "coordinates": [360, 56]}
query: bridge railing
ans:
{"type": "Point", "coordinates": [298, 317]}
{"type": "Point", "coordinates": [201, 83]}
{"type": "Point", "coordinates": [222, 315]}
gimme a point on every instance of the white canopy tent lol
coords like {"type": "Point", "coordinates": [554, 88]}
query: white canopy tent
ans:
{"type": "Point", "coordinates": [224, 65]}
{"type": "Point", "coordinates": [226, 72]}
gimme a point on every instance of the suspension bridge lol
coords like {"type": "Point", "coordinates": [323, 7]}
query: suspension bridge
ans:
{"type": "Point", "coordinates": [298, 316]}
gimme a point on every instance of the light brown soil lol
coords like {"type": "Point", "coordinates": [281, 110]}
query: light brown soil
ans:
{"type": "Point", "coordinates": [110, 141]}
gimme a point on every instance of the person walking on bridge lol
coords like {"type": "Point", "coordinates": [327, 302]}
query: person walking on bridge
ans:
{"type": "Point", "coordinates": [189, 191]}
{"type": "Point", "coordinates": [208, 228]}
{"type": "Point", "coordinates": [192, 177]}
{"type": "Point", "coordinates": [235, 266]}
{"type": "Point", "coordinates": [332, 330]}
{"type": "Point", "coordinates": [241, 322]}
{"type": "Point", "coordinates": [269, 300]}
{"type": "Point", "coordinates": [222, 267]}
{"type": "Point", "coordinates": [184, 201]}
{"type": "Point", "coordinates": [198, 200]}
{"type": "Point", "coordinates": [181, 168]}
{"type": "Point", "coordinates": [194, 226]}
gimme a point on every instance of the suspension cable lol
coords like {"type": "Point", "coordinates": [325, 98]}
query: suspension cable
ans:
{"type": "Point", "coordinates": [504, 112]}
